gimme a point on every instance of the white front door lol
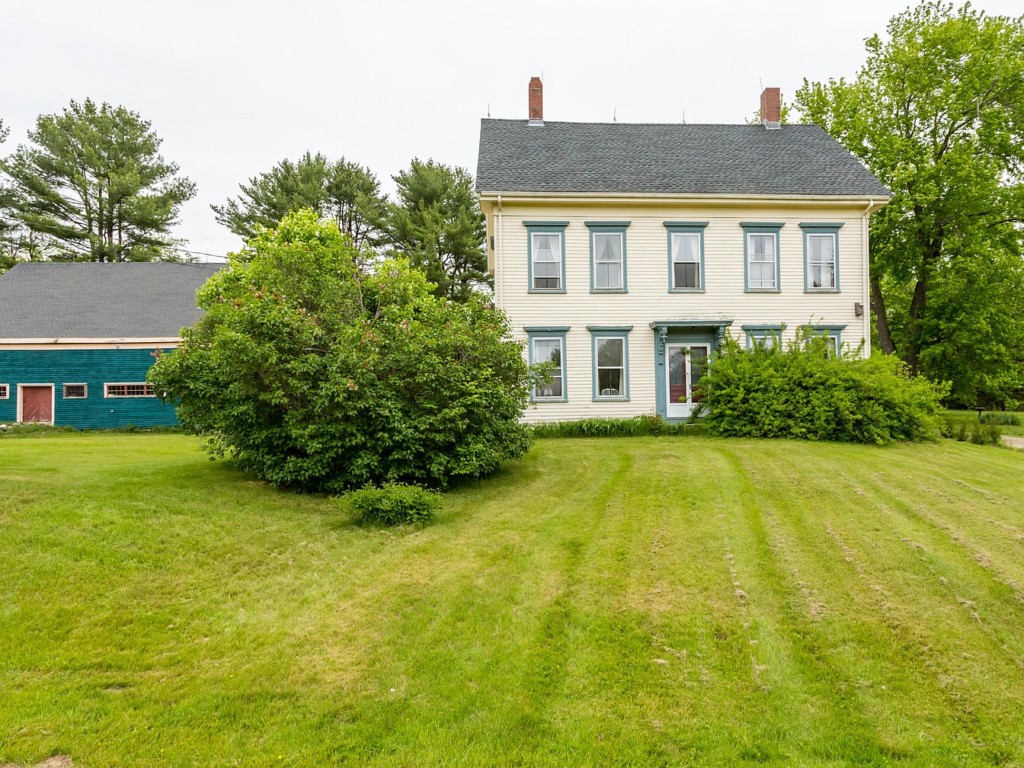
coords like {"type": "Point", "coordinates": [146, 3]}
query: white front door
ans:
{"type": "Point", "coordinates": [685, 366]}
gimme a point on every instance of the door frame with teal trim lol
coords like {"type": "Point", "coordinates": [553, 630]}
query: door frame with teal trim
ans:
{"type": "Point", "coordinates": [708, 333]}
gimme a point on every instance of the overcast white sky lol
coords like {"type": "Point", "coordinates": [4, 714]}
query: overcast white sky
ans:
{"type": "Point", "coordinates": [234, 87]}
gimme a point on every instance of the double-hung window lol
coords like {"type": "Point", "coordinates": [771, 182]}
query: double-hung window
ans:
{"type": "Point", "coordinates": [610, 345]}
{"type": "Point", "coordinates": [5, 391]}
{"type": "Point", "coordinates": [821, 256]}
{"type": "Point", "coordinates": [761, 252]}
{"type": "Point", "coordinates": [547, 346]}
{"type": "Point", "coordinates": [607, 256]}
{"type": "Point", "coordinates": [685, 256]}
{"type": "Point", "coordinates": [546, 249]}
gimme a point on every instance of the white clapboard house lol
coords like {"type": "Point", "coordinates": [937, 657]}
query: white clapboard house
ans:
{"type": "Point", "coordinates": [623, 253]}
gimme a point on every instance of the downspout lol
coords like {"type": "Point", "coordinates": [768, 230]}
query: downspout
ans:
{"type": "Point", "coordinates": [866, 289]}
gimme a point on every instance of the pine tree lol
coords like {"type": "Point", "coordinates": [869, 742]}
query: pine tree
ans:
{"type": "Point", "coordinates": [92, 184]}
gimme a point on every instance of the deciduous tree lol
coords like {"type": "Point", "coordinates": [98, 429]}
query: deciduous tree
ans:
{"type": "Point", "coordinates": [937, 113]}
{"type": "Point", "coordinates": [92, 183]}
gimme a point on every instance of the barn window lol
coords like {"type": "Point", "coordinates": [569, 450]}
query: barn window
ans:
{"type": "Point", "coordinates": [128, 390]}
{"type": "Point", "coordinates": [75, 391]}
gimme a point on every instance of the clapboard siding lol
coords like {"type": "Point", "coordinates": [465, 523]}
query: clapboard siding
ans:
{"type": "Point", "coordinates": [93, 367]}
{"type": "Point", "coordinates": [649, 299]}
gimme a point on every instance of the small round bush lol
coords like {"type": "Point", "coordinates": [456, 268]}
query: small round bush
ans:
{"type": "Point", "coordinates": [391, 504]}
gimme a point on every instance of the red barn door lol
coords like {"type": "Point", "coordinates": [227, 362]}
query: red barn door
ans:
{"type": "Point", "coordinates": [37, 404]}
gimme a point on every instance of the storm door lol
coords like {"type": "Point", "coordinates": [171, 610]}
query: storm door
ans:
{"type": "Point", "coordinates": [686, 366]}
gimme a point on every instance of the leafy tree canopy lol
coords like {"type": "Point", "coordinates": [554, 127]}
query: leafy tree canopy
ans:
{"type": "Point", "coordinates": [92, 184]}
{"type": "Point", "coordinates": [342, 191]}
{"type": "Point", "coordinates": [937, 113]}
{"type": "Point", "coordinates": [316, 375]}
{"type": "Point", "coordinates": [437, 225]}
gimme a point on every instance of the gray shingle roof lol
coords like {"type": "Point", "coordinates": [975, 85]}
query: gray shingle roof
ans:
{"type": "Point", "coordinates": [670, 159]}
{"type": "Point", "coordinates": [42, 300]}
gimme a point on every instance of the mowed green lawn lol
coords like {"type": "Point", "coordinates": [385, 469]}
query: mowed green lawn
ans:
{"type": "Point", "coordinates": [672, 601]}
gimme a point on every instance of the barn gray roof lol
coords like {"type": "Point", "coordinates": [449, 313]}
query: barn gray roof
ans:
{"type": "Point", "coordinates": [669, 159]}
{"type": "Point", "coordinates": [49, 300]}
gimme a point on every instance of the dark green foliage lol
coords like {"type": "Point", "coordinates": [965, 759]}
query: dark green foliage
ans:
{"type": "Point", "coordinates": [800, 392]}
{"type": "Point", "coordinates": [937, 113]}
{"type": "Point", "coordinates": [1003, 418]}
{"type": "Point", "coordinates": [437, 225]}
{"type": "Point", "coordinates": [638, 426]}
{"type": "Point", "coordinates": [342, 191]}
{"type": "Point", "coordinates": [391, 504]}
{"type": "Point", "coordinates": [93, 185]}
{"type": "Point", "coordinates": [17, 243]}
{"type": "Point", "coordinates": [317, 376]}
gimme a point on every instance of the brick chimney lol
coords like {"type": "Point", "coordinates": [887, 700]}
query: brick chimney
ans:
{"type": "Point", "coordinates": [536, 101]}
{"type": "Point", "coordinates": [771, 108]}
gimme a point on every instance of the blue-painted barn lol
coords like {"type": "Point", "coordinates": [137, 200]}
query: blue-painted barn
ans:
{"type": "Point", "coordinates": [77, 340]}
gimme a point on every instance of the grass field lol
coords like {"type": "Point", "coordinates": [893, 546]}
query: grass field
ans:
{"type": "Point", "coordinates": [672, 601]}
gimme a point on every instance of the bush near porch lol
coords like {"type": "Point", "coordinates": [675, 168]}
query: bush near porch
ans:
{"type": "Point", "coordinates": [802, 391]}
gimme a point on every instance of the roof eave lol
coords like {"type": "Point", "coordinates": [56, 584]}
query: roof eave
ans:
{"type": "Point", "coordinates": [50, 341]}
{"type": "Point", "coordinates": [640, 198]}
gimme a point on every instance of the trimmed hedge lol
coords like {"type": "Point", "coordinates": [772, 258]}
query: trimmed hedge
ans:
{"type": "Point", "coordinates": [638, 426]}
{"type": "Point", "coordinates": [802, 392]}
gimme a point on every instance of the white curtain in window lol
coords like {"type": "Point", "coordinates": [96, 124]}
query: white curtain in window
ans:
{"type": "Point", "coordinates": [685, 248]}
{"type": "Point", "coordinates": [607, 260]}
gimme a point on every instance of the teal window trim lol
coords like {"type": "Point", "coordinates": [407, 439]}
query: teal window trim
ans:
{"type": "Point", "coordinates": [545, 228]}
{"type": "Point", "coordinates": [753, 331]}
{"type": "Point", "coordinates": [607, 228]}
{"type": "Point", "coordinates": [686, 228]}
{"type": "Point", "coordinates": [761, 228]}
{"type": "Point", "coordinates": [598, 332]}
{"type": "Point", "coordinates": [536, 333]}
{"type": "Point", "coordinates": [821, 228]}
{"type": "Point", "coordinates": [832, 331]}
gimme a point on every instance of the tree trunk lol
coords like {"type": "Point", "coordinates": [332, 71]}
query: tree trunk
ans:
{"type": "Point", "coordinates": [881, 318]}
{"type": "Point", "coordinates": [915, 319]}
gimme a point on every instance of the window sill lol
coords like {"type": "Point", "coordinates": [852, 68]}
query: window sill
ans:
{"type": "Point", "coordinates": [686, 290]}
{"type": "Point", "coordinates": [549, 400]}
{"type": "Point", "coordinates": [554, 291]}
{"type": "Point", "coordinates": [609, 400]}
{"type": "Point", "coordinates": [822, 290]}
{"type": "Point", "coordinates": [762, 290]}
{"type": "Point", "coordinates": [608, 290]}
